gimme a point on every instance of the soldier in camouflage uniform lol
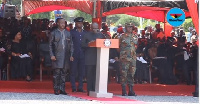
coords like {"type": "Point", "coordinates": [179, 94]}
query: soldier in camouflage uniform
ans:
{"type": "Point", "coordinates": [128, 42]}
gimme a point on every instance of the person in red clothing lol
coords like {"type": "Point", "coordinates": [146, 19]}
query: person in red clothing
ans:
{"type": "Point", "coordinates": [106, 32]}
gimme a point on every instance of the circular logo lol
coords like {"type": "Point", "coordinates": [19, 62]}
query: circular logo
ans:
{"type": "Point", "coordinates": [107, 42]}
{"type": "Point", "coordinates": [175, 17]}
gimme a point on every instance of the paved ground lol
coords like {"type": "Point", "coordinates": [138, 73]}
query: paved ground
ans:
{"type": "Point", "coordinates": [167, 99]}
{"type": "Point", "coordinates": [39, 98]}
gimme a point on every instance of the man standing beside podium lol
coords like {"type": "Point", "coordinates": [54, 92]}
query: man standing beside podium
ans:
{"type": "Point", "coordinates": [77, 65]}
{"type": "Point", "coordinates": [91, 55]}
{"type": "Point", "coordinates": [59, 45]}
{"type": "Point", "coordinates": [127, 45]}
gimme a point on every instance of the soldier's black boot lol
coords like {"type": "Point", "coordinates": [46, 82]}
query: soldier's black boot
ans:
{"type": "Point", "coordinates": [124, 93]}
{"type": "Point", "coordinates": [131, 92]}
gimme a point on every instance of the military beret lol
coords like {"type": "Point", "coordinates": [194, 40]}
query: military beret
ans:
{"type": "Point", "coordinates": [79, 19]}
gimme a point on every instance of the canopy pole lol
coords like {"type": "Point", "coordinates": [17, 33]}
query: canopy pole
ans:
{"type": "Point", "coordinates": [96, 16]}
{"type": "Point", "coordinates": [22, 8]}
{"type": "Point", "coordinates": [165, 22]}
{"type": "Point", "coordinates": [98, 9]}
{"type": "Point", "coordinates": [94, 8]}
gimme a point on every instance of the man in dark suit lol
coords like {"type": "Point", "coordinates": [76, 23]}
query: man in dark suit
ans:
{"type": "Point", "coordinates": [77, 64]}
{"type": "Point", "coordinates": [59, 44]}
{"type": "Point", "coordinates": [91, 55]}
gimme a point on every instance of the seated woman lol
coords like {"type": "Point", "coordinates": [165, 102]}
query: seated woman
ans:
{"type": "Point", "coordinates": [21, 57]}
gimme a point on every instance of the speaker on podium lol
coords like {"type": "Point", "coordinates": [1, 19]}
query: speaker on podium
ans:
{"type": "Point", "coordinates": [9, 11]}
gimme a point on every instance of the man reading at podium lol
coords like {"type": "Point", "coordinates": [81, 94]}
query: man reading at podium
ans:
{"type": "Point", "coordinates": [91, 55]}
{"type": "Point", "coordinates": [127, 46]}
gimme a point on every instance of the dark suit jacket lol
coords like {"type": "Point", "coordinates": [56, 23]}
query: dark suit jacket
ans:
{"type": "Point", "coordinates": [56, 48]}
{"type": "Point", "coordinates": [77, 39]}
{"type": "Point", "coordinates": [90, 52]}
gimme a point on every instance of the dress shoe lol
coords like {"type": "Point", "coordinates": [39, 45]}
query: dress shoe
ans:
{"type": "Point", "coordinates": [132, 94]}
{"type": "Point", "coordinates": [124, 94]}
{"type": "Point", "coordinates": [29, 80]}
{"type": "Point", "coordinates": [63, 92]}
{"type": "Point", "coordinates": [81, 90]}
{"type": "Point", "coordinates": [73, 90]}
{"type": "Point", "coordinates": [56, 92]}
{"type": "Point", "coordinates": [195, 94]}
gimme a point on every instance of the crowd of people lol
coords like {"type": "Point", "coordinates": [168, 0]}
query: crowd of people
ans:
{"type": "Point", "coordinates": [142, 57]}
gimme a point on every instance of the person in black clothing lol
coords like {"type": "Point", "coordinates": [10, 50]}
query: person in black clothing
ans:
{"type": "Point", "coordinates": [114, 54]}
{"type": "Point", "coordinates": [166, 75]}
{"type": "Point", "coordinates": [3, 55]}
{"type": "Point", "coordinates": [91, 55]}
{"type": "Point", "coordinates": [26, 29]}
{"type": "Point", "coordinates": [191, 64]}
{"type": "Point", "coordinates": [20, 66]}
{"type": "Point", "coordinates": [61, 51]}
{"type": "Point", "coordinates": [141, 74]}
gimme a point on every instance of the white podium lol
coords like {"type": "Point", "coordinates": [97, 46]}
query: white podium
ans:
{"type": "Point", "coordinates": [103, 46]}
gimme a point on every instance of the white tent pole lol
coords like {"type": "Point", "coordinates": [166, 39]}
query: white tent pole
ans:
{"type": "Point", "coordinates": [22, 8]}
{"type": "Point", "coordinates": [94, 8]}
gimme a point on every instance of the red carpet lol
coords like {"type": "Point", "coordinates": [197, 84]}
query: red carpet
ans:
{"type": "Point", "coordinates": [114, 100]}
{"type": "Point", "coordinates": [140, 89]}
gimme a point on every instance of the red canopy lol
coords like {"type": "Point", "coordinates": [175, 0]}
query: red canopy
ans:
{"type": "Point", "coordinates": [38, 6]}
{"type": "Point", "coordinates": [155, 13]}
{"type": "Point", "coordinates": [48, 8]}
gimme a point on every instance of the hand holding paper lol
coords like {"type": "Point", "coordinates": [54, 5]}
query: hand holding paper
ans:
{"type": "Point", "coordinates": [24, 56]}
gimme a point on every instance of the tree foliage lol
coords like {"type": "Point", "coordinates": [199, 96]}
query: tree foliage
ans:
{"type": "Point", "coordinates": [112, 19]}
{"type": "Point", "coordinates": [148, 22]}
{"type": "Point", "coordinates": [126, 18]}
{"type": "Point", "coordinates": [188, 23]}
{"type": "Point", "coordinates": [41, 15]}
{"type": "Point", "coordinates": [17, 3]}
{"type": "Point", "coordinates": [87, 17]}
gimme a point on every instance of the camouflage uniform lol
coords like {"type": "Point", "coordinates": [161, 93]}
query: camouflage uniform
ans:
{"type": "Point", "coordinates": [127, 45]}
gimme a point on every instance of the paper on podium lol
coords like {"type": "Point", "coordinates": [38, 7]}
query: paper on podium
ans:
{"type": "Point", "coordinates": [24, 56]}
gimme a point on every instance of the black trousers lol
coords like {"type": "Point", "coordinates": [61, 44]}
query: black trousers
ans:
{"type": "Point", "coordinates": [142, 72]}
{"type": "Point", "coordinates": [188, 67]}
{"type": "Point", "coordinates": [165, 70]}
{"type": "Point", "coordinates": [59, 79]}
{"type": "Point", "coordinates": [116, 66]}
{"type": "Point", "coordinates": [91, 77]}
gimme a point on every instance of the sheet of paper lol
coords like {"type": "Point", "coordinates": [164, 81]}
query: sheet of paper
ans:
{"type": "Point", "coordinates": [2, 49]}
{"type": "Point", "coordinates": [24, 56]}
{"type": "Point", "coordinates": [112, 60]}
